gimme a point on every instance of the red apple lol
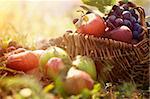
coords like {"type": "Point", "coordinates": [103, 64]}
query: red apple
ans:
{"type": "Point", "coordinates": [54, 66]}
{"type": "Point", "coordinates": [23, 61]}
{"type": "Point", "coordinates": [77, 80]}
{"type": "Point", "coordinates": [91, 24]}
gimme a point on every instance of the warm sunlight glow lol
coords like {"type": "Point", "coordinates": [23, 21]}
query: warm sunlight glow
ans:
{"type": "Point", "coordinates": [35, 19]}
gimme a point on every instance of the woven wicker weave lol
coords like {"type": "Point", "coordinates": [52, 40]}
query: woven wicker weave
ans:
{"type": "Point", "coordinates": [122, 61]}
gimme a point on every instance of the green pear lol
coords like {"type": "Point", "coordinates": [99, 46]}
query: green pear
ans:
{"type": "Point", "coordinates": [86, 64]}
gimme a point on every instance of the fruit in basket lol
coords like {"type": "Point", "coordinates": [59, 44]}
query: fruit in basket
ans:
{"type": "Point", "coordinates": [77, 80]}
{"type": "Point", "coordinates": [54, 67]}
{"type": "Point", "coordinates": [53, 52]}
{"type": "Point", "coordinates": [122, 33]}
{"type": "Point", "coordinates": [125, 14]}
{"type": "Point", "coordinates": [118, 22]}
{"type": "Point", "coordinates": [127, 23]}
{"type": "Point", "coordinates": [91, 24]}
{"type": "Point", "coordinates": [86, 64]}
{"type": "Point", "coordinates": [23, 61]}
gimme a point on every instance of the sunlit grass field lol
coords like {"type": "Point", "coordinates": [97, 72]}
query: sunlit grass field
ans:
{"type": "Point", "coordinates": [29, 21]}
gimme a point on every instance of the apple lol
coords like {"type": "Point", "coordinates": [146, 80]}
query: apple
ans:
{"type": "Point", "coordinates": [23, 61]}
{"type": "Point", "coordinates": [91, 24]}
{"type": "Point", "coordinates": [86, 64]}
{"type": "Point", "coordinates": [77, 80]}
{"type": "Point", "coordinates": [54, 52]}
{"type": "Point", "coordinates": [36, 73]}
{"type": "Point", "coordinates": [54, 67]}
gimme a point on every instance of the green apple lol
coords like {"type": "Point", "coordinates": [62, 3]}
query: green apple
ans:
{"type": "Point", "coordinates": [54, 67]}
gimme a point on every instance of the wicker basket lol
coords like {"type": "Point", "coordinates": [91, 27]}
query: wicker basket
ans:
{"type": "Point", "coordinates": [122, 61]}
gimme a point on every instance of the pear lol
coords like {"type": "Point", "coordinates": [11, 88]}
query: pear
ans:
{"type": "Point", "coordinates": [86, 64]}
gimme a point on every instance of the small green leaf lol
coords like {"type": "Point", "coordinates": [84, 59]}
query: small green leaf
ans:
{"type": "Point", "coordinates": [97, 88]}
{"type": "Point", "coordinates": [125, 1]}
{"type": "Point", "coordinates": [100, 4]}
{"type": "Point", "coordinates": [59, 86]}
{"type": "Point", "coordinates": [85, 94]}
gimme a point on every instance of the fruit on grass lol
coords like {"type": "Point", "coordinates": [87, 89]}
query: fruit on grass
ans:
{"type": "Point", "coordinates": [23, 61]}
{"type": "Point", "coordinates": [54, 67]}
{"type": "Point", "coordinates": [38, 53]}
{"type": "Point", "coordinates": [91, 24]}
{"type": "Point", "coordinates": [11, 48]}
{"type": "Point", "coordinates": [86, 64]}
{"type": "Point", "coordinates": [53, 52]}
{"type": "Point", "coordinates": [19, 50]}
{"type": "Point", "coordinates": [77, 80]}
{"type": "Point", "coordinates": [35, 72]}
{"type": "Point", "coordinates": [122, 33]}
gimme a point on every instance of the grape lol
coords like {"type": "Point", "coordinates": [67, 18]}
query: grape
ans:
{"type": "Point", "coordinates": [135, 35]}
{"type": "Point", "coordinates": [136, 16]}
{"type": "Point", "coordinates": [119, 10]}
{"type": "Point", "coordinates": [138, 27]}
{"type": "Point", "coordinates": [112, 18]}
{"type": "Point", "coordinates": [114, 7]}
{"type": "Point", "coordinates": [127, 23]}
{"type": "Point", "coordinates": [133, 20]}
{"type": "Point", "coordinates": [126, 15]}
{"type": "Point", "coordinates": [109, 24]}
{"type": "Point", "coordinates": [118, 22]}
{"type": "Point", "coordinates": [125, 6]}
{"type": "Point", "coordinates": [132, 11]}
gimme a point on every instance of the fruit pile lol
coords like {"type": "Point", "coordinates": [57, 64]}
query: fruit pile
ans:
{"type": "Point", "coordinates": [64, 77]}
{"type": "Point", "coordinates": [55, 63]}
{"type": "Point", "coordinates": [125, 14]}
{"type": "Point", "coordinates": [73, 76]}
{"type": "Point", "coordinates": [121, 24]}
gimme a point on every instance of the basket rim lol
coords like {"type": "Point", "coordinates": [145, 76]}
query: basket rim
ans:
{"type": "Point", "coordinates": [109, 39]}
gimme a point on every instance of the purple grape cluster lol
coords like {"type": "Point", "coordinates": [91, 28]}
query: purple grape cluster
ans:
{"type": "Point", "coordinates": [124, 14]}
